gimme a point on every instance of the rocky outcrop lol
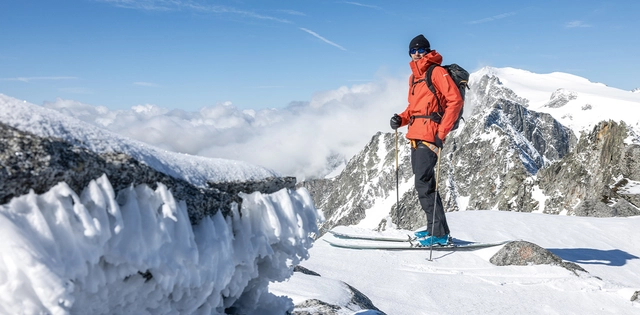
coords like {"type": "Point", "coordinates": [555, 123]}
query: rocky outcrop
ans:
{"type": "Point", "coordinates": [589, 180]}
{"type": "Point", "coordinates": [31, 162]}
{"type": "Point", "coordinates": [358, 301]}
{"type": "Point", "coordinates": [560, 98]}
{"type": "Point", "coordinates": [315, 307]}
{"type": "Point", "coordinates": [523, 253]}
{"type": "Point", "coordinates": [408, 214]}
{"type": "Point", "coordinates": [497, 152]}
{"type": "Point", "coordinates": [368, 176]}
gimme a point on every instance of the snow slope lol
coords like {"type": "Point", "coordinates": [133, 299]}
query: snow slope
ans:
{"type": "Point", "coordinates": [465, 282]}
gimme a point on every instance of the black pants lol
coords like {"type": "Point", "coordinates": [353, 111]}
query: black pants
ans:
{"type": "Point", "coordinates": [423, 162]}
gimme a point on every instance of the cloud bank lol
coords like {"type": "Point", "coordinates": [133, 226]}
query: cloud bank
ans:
{"type": "Point", "coordinates": [305, 139]}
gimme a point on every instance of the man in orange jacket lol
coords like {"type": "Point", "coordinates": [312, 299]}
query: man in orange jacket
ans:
{"type": "Point", "coordinates": [430, 118]}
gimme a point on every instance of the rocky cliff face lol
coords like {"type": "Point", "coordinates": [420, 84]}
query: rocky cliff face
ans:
{"type": "Point", "coordinates": [504, 157]}
{"type": "Point", "coordinates": [488, 163]}
{"type": "Point", "coordinates": [31, 162]}
{"type": "Point", "coordinates": [591, 179]}
{"type": "Point", "coordinates": [368, 176]}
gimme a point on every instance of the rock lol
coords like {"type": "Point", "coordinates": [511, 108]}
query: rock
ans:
{"type": "Point", "coordinates": [316, 307]}
{"type": "Point", "coordinates": [358, 298]}
{"type": "Point", "coordinates": [304, 270]}
{"type": "Point", "coordinates": [358, 301]}
{"type": "Point", "coordinates": [368, 176]}
{"type": "Point", "coordinates": [587, 181]}
{"type": "Point", "coordinates": [560, 98]}
{"type": "Point", "coordinates": [29, 162]}
{"type": "Point", "coordinates": [523, 253]}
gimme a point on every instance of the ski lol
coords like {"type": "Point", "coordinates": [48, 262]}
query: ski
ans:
{"type": "Point", "coordinates": [358, 238]}
{"type": "Point", "coordinates": [351, 233]}
{"type": "Point", "coordinates": [408, 245]}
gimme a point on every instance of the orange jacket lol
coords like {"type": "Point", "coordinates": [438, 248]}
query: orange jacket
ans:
{"type": "Point", "coordinates": [423, 102]}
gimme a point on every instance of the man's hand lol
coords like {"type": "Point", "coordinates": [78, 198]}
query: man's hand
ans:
{"type": "Point", "coordinates": [396, 121]}
{"type": "Point", "coordinates": [438, 142]}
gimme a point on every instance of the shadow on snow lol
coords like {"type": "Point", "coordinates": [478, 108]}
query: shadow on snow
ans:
{"type": "Point", "coordinates": [613, 257]}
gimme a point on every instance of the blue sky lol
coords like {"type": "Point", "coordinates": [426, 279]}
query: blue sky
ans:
{"type": "Point", "coordinates": [189, 54]}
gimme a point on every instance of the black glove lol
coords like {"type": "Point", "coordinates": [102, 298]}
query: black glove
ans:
{"type": "Point", "coordinates": [396, 121]}
{"type": "Point", "coordinates": [439, 143]}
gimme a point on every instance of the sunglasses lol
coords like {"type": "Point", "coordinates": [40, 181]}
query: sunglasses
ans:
{"type": "Point", "coordinates": [418, 50]}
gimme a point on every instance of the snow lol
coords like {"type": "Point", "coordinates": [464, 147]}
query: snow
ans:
{"type": "Point", "coordinates": [631, 188]}
{"type": "Point", "coordinates": [463, 202]}
{"type": "Point", "coordinates": [538, 195]}
{"type": "Point", "coordinates": [87, 254]}
{"type": "Point", "coordinates": [603, 102]}
{"type": "Point", "coordinates": [465, 282]}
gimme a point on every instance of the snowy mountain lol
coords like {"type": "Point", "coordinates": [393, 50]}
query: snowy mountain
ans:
{"type": "Point", "coordinates": [587, 103]}
{"type": "Point", "coordinates": [553, 143]}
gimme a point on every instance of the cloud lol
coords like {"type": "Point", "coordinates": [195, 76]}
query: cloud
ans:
{"type": "Point", "coordinates": [147, 84]}
{"type": "Point", "coordinates": [363, 5]}
{"type": "Point", "coordinates": [300, 140]}
{"type": "Point", "coordinates": [29, 79]}
{"type": "Point", "coordinates": [322, 38]}
{"type": "Point", "coordinates": [179, 5]}
{"type": "Point", "coordinates": [292, 12]}
{"type": "Point", "coordinates": [493, 18]}
{"type": "Point", "coordinates": [574, 24]}
{"type": "Point", "coordinates": [153, 5]}
{"type": "Point", "coordinates": [267, 87]}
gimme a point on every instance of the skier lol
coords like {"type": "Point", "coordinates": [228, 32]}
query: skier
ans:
{"type": "Point", "coordinates": [428, 129]}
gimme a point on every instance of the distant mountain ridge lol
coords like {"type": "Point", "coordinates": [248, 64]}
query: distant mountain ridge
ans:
{"type": "Point", "coordinates": [552, 143]}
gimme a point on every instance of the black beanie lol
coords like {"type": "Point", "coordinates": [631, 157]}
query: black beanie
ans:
{"type": "Point", "coordinates": [419, 42]}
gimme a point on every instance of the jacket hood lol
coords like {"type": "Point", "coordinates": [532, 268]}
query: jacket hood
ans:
{"type": "Point", "coordinates": [419, 68]}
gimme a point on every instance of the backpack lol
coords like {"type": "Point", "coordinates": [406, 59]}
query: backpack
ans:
{"type": "Point", "coordinates": [460, 77]}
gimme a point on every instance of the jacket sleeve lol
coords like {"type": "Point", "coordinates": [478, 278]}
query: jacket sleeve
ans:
{"type": "Point", "coordinates": [450, 100]}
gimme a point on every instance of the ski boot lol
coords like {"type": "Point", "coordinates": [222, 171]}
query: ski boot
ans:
{"type": "Point", "coordinates": [435, 240]}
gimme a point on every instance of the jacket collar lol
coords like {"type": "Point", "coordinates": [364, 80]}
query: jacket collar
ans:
{"type": "Point", "coordinates": [419, 68]}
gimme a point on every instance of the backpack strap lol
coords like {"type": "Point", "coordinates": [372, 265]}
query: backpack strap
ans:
{"type": "Point", "coordinates": [435, 116]}
{"type": "Point", "coordinates": [432, 88]}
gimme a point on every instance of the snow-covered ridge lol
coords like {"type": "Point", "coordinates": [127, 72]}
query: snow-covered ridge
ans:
{"type": "Point", "coordinates": [194, 169]}
{"type": "Point", "coordinates": [589, 103]}
{"type": "Point", "coordinates": [98, 250]}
